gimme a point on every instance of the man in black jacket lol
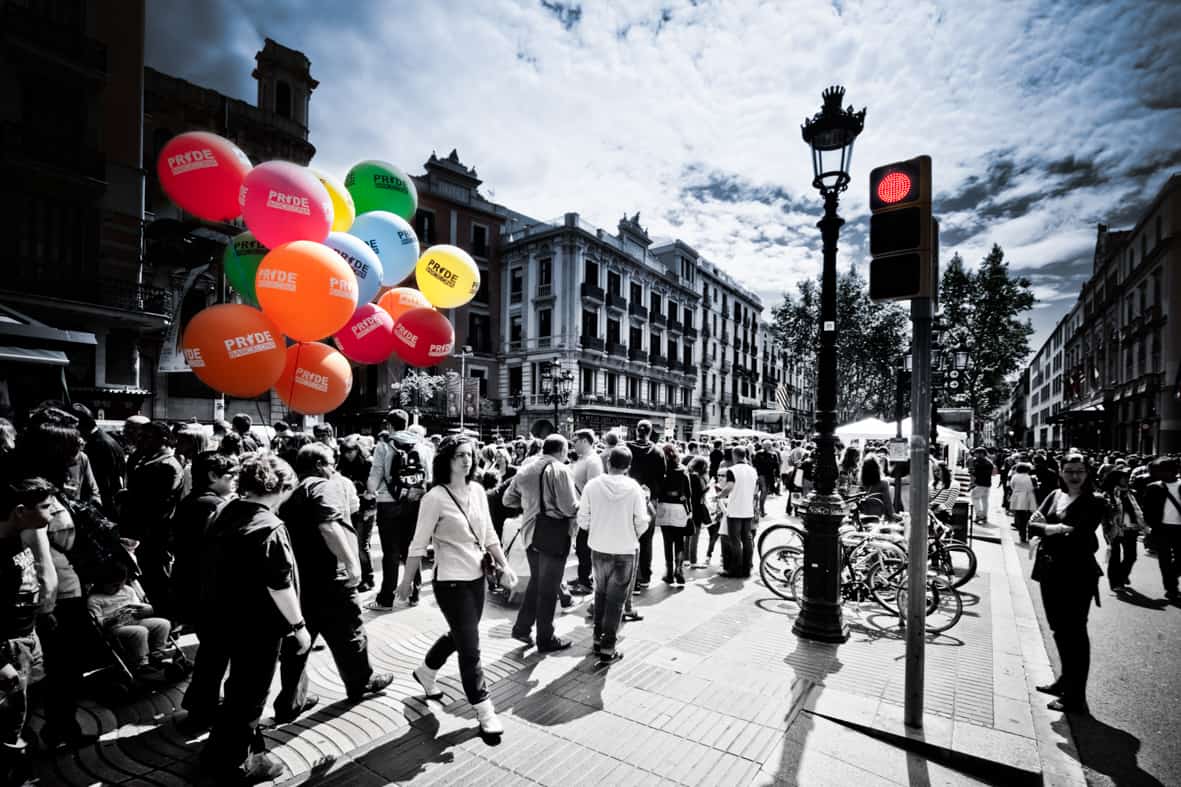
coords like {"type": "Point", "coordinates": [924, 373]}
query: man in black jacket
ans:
{"type": "Point", "coordinates": [647, 468]}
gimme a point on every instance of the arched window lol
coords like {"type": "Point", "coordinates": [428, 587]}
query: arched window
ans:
{"type": "Point", "coordinates": [283, 99]}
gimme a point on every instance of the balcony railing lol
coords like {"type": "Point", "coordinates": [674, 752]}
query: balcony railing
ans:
{"type": "Point", "coordinates": [725, 337]}
{"type": "Point", "coordinates": [637, 310]}
{"type": "Point", "coordinates": [51, 150]}
{"type": "Point", "coordinates": [707, 362]}
{"type": "Point", "coordinates": [616, 301]}
{"type": "Point", "coordinates": [637, 354]}
{"type": "Point", "coordinates": [617, 349]}
{"type": "Point", "coordinates": [690, 369]}
{"type": "Point", "coordinates": [657, 318]}
{"type": "Point", "coordinates": [705, 332]}
{"type": "Point", "coordinates": [675, 325]}
{"type": "Point", "coordinates": [593, 292]}
{"type": "Point", "coordinates": [543, 291]}
{"type": "Point", "coordinates": [102, 291]}
{"type": "Point", "coordinates": [592, 343]}
{"type": "Point", "coordinates": [656, 359]}
{"type": "Point", "coordinates": [690, 332]}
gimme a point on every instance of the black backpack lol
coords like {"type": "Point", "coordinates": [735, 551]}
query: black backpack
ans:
{"type": "Point", "coordinates": [406, 472]}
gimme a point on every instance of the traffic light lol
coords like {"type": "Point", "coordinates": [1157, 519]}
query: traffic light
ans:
{"type": "Point", "coordinates": [901, 233]}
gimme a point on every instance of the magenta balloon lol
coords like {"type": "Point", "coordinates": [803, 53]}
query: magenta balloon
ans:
{"type": "Point", "coordinates": [284, 202]}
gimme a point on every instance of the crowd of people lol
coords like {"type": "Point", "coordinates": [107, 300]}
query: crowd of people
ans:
{"type": "Point", "coordinates": [1061, 502]}
{"type": "Point", "coordinates": [260, 546]}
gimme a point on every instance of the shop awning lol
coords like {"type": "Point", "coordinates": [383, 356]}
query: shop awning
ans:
{"type": "Point", "coordinates": [33, 355]}
{"type": "Point", "coordinates": [1092, 412]}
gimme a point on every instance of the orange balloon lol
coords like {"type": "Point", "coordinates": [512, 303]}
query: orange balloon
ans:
{"type": "Point", "coordinates": [399, 300]}
{"type": "Point", "coordinates": [235, 349]}
{"type": "Point", "coordinates": [307, 289]}
{"type": "Point", "coordinates": [316, 379]}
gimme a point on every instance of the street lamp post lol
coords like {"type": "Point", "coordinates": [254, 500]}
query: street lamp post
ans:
{"type": "Point", "coordinates": [830, 134]}
{"type": "Point", "coordinates": [463, 355]}
{"type": "Point", "coordinates": [556, 385]}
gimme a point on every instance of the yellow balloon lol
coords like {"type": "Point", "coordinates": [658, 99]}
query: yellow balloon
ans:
{"type": "Point", "coordinates": [447, 276]}
{"type": "Point", "coordinates": [343, 209]}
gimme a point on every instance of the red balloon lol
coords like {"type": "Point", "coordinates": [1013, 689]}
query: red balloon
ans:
{"type": "Point", "coordinates": [203, 173]}
{"type": "Point", "coordinates": [423, 337]}
{"type": "Point", "coordinates": [368, 336]}
{"type": "Point", "coordinates": [316, 380]}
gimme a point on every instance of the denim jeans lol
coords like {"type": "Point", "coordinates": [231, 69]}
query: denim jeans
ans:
{"type": "Point", "coordinates": [363, 522]}
{"type": "Point", "coordinates": [742, 546]}
{"type": "Point", "coordinates": [980, 496]}
{"type": "Point", "coordinates": [644, 570]}
{"type": "Point", "coordinates": [541, 595]}
{"type": "Point", "coordinates": [1123, 555]}
{"type": "Point", "coordinates": [583, 551]}
{"type": "Point", "coordinates": [144, 636]}
{"type": "Point", "coordinates": [613, 578]}
{"type": "Point", "coordinates": [462, 604]}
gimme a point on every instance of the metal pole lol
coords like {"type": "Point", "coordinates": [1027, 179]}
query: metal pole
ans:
{"type": "Point", "coordinates": [820, 615]}
{"type": "Point", "coordinates": [462, 387]}
{"type": "Point", "coordinates": [899, 381]}
{"type": "Point", "coordinates": [916, 574]}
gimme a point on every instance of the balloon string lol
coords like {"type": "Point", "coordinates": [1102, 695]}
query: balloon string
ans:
{"type": "Point", "coordinates": [294, 372]}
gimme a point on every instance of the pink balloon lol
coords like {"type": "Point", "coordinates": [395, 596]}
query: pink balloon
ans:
{"type": "Point", "coordinates": [368, 336]}
{"type": "Point", "coordinates": [283, 202]}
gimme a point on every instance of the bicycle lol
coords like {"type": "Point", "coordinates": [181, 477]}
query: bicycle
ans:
{"type": "Point", "coordinates": [944, 605]}
{"type": "Point", "coordinates": [867, 558]}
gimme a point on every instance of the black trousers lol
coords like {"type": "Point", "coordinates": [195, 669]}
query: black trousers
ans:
{"type": "Point", "coordinates": [64, 634]}
{"type": "Point", "coordinates": [395, 527]}
{"type": "Point", "coordinates": [253, 655]}
{"type": "Point", "coordinates": [644, 569]}
{"type": "Point", "coordinates": [1123, 556]}
{"type": "Point", "coordinates": [583, 551]}
{"type": "Point", "coordinates": [673, 540]}
{"type": "Point", "coordinates": [1167, 541]}
{"type": "Point", "coordinates": [330, 610]}
{"type": "Point", "coordinates": [1067, 603]}
{"type": "Point", "coordinates": [541, 595]}
{"type": "Point", "coordinates": [462, 604]}
{"type": "Point", "coordinates": [363, 522]}
{"type": "Point", "coordinates": [209, 670]}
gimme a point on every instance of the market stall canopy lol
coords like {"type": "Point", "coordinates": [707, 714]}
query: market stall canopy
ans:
{"type": "Point", "coordinates": [869, 429]}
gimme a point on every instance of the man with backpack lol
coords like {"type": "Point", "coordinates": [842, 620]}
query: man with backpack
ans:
{"type": "Point", "coordinates": [647, 468]}
{"type": "Point", "coordinates": [399, 478]}
{"type": "Point", "coordinates": [1162, 513]}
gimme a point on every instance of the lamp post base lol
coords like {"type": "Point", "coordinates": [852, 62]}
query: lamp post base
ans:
{"type": "Point", "coordinates": [820, 618]}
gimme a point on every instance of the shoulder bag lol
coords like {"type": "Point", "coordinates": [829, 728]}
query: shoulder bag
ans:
{"type": "Point", "coordinates": [551, 534]}
{"type": "Point", "coordinates": [487, 564]}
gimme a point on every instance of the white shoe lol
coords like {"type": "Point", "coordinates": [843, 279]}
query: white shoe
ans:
{"type": "Point", "coordinates": [486, 715]}
{"type": "Point", "coordinates": [426, 678]}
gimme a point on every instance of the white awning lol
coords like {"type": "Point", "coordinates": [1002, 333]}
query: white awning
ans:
{"type": "Point", "coordinates": [28, 355]}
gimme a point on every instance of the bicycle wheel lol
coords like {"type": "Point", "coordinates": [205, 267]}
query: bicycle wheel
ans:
{"type": "Point", "coordinates": [945, 606]}
{"type": "Point", "coordinates": [781, 535]}
{"type": "Point", "coordinates": [883, 580]}
{"type": "Point", "coordinates": [956, 562]}
{"type": "Point", "coordinates": [796, 581]}
{"type": "Point", "coordinates": [776, 568]}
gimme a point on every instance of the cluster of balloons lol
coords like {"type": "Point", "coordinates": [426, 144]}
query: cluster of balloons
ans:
{"type": "Point", "coordinates": [320, 258]}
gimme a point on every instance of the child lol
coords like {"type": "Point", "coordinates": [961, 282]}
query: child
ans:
{"type": "Point", "coordinates": [120, 607]}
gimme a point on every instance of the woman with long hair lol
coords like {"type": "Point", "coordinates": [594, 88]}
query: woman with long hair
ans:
{"type": "Point", "coordinates": [673, 508]}
{"type": "Point", "coordinates": [454, 516]}
{"type": "Point", "coordinates": [875, 486]}
{"type": "Point", "coordinates": [355, 463]}
{"type": "Point", "coordinates": [699, 510]}
{"type": "Point", "coordinates": [1065, 567]}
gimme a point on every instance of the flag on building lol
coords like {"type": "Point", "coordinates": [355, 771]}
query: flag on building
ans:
{"type": "Point", "coordinates": [781, 396]}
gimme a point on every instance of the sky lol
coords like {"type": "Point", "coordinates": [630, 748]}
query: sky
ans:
{"type": "Point", "coordinates": [1043, 117]}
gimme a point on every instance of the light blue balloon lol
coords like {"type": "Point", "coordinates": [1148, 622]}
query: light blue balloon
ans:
{"type": "Point", "coordinates": [393, 240]}
{"type": "Point", "coordinates": [364, 262]}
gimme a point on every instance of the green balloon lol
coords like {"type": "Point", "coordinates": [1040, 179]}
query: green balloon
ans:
{"type": "Point", "coordinates": [240, 260]}
{"type": "Point", "coordinates": [379, 185]}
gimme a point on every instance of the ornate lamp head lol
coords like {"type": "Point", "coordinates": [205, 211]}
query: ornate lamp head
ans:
{"type": "Point", "coordinates": [831, 133]}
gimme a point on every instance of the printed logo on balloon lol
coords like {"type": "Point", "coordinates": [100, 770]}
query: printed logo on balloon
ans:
{"type": "Point", "coordinates": [234, 349]}
{"type": "Point", "coordinates": [447, 276]}
{"type": "Point", "coordinates": [392, 240]}
{"type": "Point", "coordinates": [316, 379]}
{"type": "Point", "coordinates": [203, 174]}
{"type": "Point", "coordinates": [307, 289]}
{"type": "Point", "coordinates": [284, 202]}
{"type": "Point", "coordinates": [423, 337]}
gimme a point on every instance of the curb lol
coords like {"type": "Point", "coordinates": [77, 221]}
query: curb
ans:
{"type": "Point", "coordinates": [1055, 740]}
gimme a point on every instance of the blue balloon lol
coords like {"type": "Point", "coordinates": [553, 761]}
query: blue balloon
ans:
{"type": "Point", "coordinates": [393, 240]}
{"type": "Point", "coordinates": [364, 262]}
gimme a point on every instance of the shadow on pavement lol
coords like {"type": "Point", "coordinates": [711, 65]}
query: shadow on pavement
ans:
{"type": "Point", "coordinates": [1138, 599]}
{"type": "Point", "coordinates": [1107, 750]}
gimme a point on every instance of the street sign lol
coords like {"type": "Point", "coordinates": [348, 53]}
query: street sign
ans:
{"type": "Point", "coordinates": [898, 449]}
{"type": "Point", "coordinates": [900, 231]}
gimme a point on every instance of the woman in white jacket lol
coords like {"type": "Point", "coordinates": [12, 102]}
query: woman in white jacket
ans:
{"type": "Point", "coordinates": [1022, 501]}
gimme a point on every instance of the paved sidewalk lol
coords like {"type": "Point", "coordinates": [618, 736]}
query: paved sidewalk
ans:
{"type": "Point", "coordinates": [713, 689]}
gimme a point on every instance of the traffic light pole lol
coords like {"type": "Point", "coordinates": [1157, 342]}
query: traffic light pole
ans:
{"type": "Point", "coordinates": [916, 575]}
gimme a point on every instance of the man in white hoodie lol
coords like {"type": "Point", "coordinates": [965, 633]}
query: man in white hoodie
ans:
{"type": "Point", "coordinates": [614, 514]}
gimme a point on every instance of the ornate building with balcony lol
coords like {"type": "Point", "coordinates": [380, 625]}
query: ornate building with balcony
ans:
{"type": "Point", "coordinates": [76, 305]}
{"type": "Point", "coordinates": [731, 327]}
{"type": "Point", "coordinates": [788, 382]}
{"type": "Point", "coordinates": [1121, 387]}
{"type": "Point", "coordinates": [618, 313]}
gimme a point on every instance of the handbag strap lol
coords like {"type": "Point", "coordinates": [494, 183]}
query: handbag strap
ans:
{"type": "Point", "coordinates": [541, 490]}
{"type": "Point", "coordinates": [467, 519]}
{"type": "Point", "coordinates": [1169, 495]}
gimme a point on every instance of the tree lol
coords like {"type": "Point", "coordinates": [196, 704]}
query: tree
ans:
{"type": "Point", "coordinates": [983, 313]}
{"type": "Point", "coordinates": [869, 339]}
{"type": "Point", "coordinates": [419, 390]}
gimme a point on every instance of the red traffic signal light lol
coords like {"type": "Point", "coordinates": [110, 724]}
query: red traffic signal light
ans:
{"type": "Point", "coordinates": [901, 231]}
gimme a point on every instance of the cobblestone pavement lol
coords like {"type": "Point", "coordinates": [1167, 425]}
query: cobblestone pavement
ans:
{"type": "Point", "coordinates": [713, 689]}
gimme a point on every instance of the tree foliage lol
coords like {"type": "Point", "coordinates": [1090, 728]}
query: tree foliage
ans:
{"type": "Point", "coordinates": [982, 312]}
{"type": "Point", "coordinates": [870, 339]}
{"type": "Point", "coordinates": [426, 392]}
